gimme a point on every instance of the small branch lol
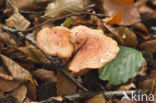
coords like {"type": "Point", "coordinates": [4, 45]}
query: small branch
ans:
{"type": "Point", "coordinates": [89, 94]}
{"type": "Point", "coordinates": [57, 19]}
{"type": "Point", "coordinates": [53, 60]}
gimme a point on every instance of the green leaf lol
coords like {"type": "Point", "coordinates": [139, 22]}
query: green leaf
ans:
{"type": "Point", "coordinates": [122, 68]}
{"type": "Point", "coordinates": [68, 22]}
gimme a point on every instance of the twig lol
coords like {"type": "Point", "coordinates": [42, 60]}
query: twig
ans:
{"type": "Point", "coordinates": [89, 94]}
{"type": "Point", "coordinates": [53, 60]}
{"type": "Point", "coordinates": [57, 19]}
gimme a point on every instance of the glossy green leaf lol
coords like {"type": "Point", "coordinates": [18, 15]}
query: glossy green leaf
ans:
{"type": "Point", "coordinates": [122, 68]}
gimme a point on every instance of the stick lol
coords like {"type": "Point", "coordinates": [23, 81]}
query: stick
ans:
{"type": "Point", "coordinates": [53, 60]}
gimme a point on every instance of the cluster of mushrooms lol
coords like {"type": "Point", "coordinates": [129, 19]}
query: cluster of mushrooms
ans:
{"type": "Point", "coordinates": [62, 42]}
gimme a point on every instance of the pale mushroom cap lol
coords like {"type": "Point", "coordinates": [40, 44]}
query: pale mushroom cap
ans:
{"type": "Point", "coordinates": [97, 51]}
{"type": "Point", "coordinates": [55, 41]}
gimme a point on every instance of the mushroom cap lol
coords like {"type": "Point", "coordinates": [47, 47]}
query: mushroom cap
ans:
{"type": "Point", "coordinates": [55, 41]}
{"type": "Point", "coordinates": [97, 51]}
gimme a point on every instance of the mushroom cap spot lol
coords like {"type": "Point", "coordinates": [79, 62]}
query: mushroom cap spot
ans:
{"type": "Point", "coordinates": [95, 53]}
{"type": "Point", "coordinates": [55, 41]}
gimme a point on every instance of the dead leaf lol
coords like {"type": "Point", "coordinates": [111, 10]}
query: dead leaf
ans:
{"type": "Point", "coordinates": [59, 7]}
{"type": "Point", "coordinates": [33, 54]}
{"type": "Point", "coordinates": [18, 72]}
{"type": "Point", "coordinates": [17, 21]}
{"type": "Point", "coordinates": [31, 88]}
{"type": "Point", "coordinates": [149, 45]}
{"type": "Point", "coordinates": [143, 69]}
{"type": "Point", "coordinates": [141, 29]}
{"type": "Point", "coordinates": [64, 85]}
{"type": "Point", "coordinates": [123, 35]}
{"type": "Point", "coordinates": [116, 19]}
{"type": "Point", "coordinates": [6, 77]}
{"type": "Point", "coordinates": [45, 75]}
{"type": "Point", "coordinates": [97, 99]}
{"type": "Point", "coordinates": [20, 93]}
{"type": "Point", "coordinates": [130, 14]}
{"type": "Point", "coordinates": [126, 87]}
{"type": "Point", "coordinates": [7, 85]}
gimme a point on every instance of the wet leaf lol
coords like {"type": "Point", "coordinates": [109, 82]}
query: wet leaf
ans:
{"type": "Point", "coordinates": [64, 85]}
{"type": "Point", "coordinates": [45, 75]}
{"type": "Point", "coordinates": [124, 67]}
{"type": "Point", "coordinates": [59, 7]}
{"type": "Point", "coordinates": [18, 72]}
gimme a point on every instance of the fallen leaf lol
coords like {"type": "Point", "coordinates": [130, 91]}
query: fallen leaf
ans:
{"type": "Point", "coordinates": [97, 99]}
{"type": "Point", "coordinates": [17, 21]}
{"type": "Point", "coordinates": [64, 85]}
{"type": "Point", "coordinates": [6, 77]}
{"type": "Point", "coordinates": [126, 87]}
{"type": "Point", "coordinates": [8, 85]}
{"type": "Point", "coordinates": [130, 14]}
{"type": "Point", "coordinates": [59, 7]}
{"type": "Point", "coordinates": [123, 35]}
{"type": "Point", "coordinates": [116, 19]}
{"type": "Point", "coordinates": [141, 29]}
{"type": "Point", "coordinates": [18, 72]}
{"type": "Point", "coordinates": [33, 54]}
{"type": "Point", "coordinates": [20, 93]}
{"type": "Point", "coordinates": [143, 69]}
{"type": "Point", "coordinates": [5, 74]}
{"type": "Point", "coordinates": [31, 88]}
{"type": "Point", "coordinates": [149, 45]}
{"type": "Point", "coordinates": [45, 75]}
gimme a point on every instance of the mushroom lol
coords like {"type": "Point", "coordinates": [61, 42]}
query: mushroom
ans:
{"type": "Point", "coordinates": [95, 53]}
{"type": "Point", "coordinates": [55, 41]}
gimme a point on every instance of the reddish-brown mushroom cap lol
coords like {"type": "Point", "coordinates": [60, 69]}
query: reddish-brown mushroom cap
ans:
{"type": "Point", "coordinates": [97, 51]}
{"type": "Point", "coordinates": [55, 41]}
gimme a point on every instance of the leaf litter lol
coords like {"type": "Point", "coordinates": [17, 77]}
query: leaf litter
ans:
{"type": "Point", "coordinates": [79, 34]}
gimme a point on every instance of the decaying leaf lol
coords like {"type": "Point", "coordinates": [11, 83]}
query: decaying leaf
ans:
{"type": "Point", "coordinates": [62, 7]}
{"type": "Point", "coordinates": [45, 75]}
{"type": "Point", "coordinates": [18, 72]}
{"type": "Point", "coordinates": [20, 93]}
{"type": "Point", "coordinates": [17, 21]}
{"type": "Point", "coordinates": [126, 87]}
{"type": "Point", "coordinates": [142, 72]}
{"type": "Point", "coordinates": [141, 29]}
{"type": "Point", "coordinates": [8, 85]}
{"type": "Point", "coordinates": [97, 99]}
{"type": "Point", "coordinates": [33, 54]}
{"type": "Point", "coordinates": [149, 45]}
{"type": "Point", "coordinates": [5, 76]}
{"type": "Point", "coordinates": [64, 85]}
{"type": "Point", "coordinates": [130, 14]}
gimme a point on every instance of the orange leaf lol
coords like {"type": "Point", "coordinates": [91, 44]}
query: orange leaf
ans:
{"type": "Point", "coordinates": [116, 19]}
{"type": "Point", "coordinates": [124, 2]}
{"type": "Point", "coordinates": [31, 88]}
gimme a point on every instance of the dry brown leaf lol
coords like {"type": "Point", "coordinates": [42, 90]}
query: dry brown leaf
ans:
{"type": "Point", "coordinates": [149, 45]}
{"type": "Point", "coordinates": [18, 72]}
{"type": "Point", "coordinates": [20, 93]}
{"type": "Point", "coordinates": [64, 85]}
{"type": "Point", "coordinates": [126, 87]}
{"type": "Point", "coordinates": [123, 35]}
{"type": "Point", "coordinates": [33, 54]}
{"type": "Point", "coordinates": [46, 75]}
{"type": "Point", "coordinates": [25, 4]}
{"type": "Point", "coordinates": [31, 88]}
{"type": "Point", "coordinates": [141, 29]}
{"type": "Point", "coordinates": [143, 69]}
{"type": "Point", "coordinates": [59, 7]}
{"type": "Point", "coordinates": [5, 76]}
{"type": "Point", "coordinates": [130, 14]}
{"type": "Point", "coordinates": [7, 85]}
{"type": "Point", "coordinates": [97, 99]}
{"type": "Point", "coordinates": [17, 21]}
